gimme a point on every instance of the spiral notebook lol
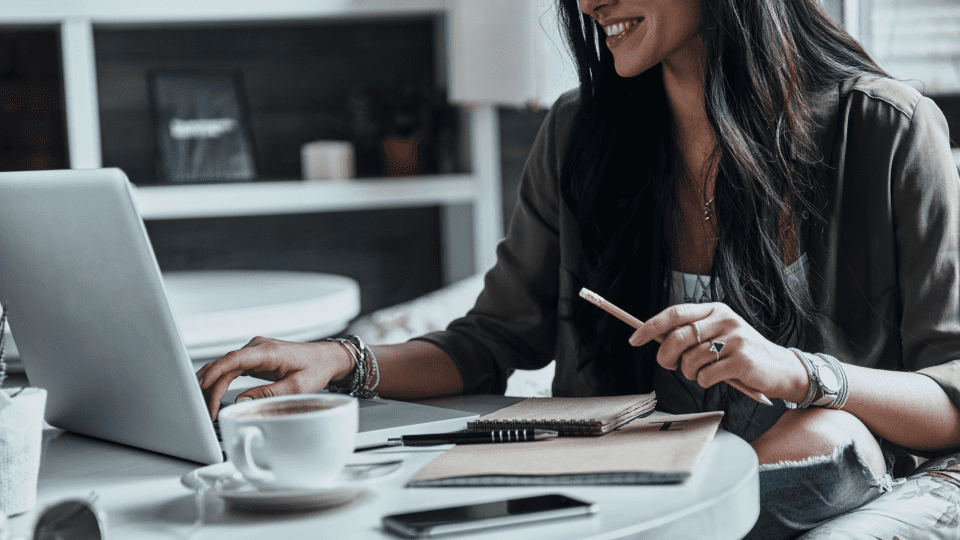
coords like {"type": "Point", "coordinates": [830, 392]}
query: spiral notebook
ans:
{"type": "Point", "coordinates": [570, 416]}
{"type": "Point", "coordinates": [658, 449]}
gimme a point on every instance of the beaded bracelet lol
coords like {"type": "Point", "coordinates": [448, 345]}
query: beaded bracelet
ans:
{"type": "Point", "coordinates": [362, 383]}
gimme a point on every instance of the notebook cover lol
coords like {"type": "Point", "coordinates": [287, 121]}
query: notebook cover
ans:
{"type": "Point", "coordinates": [652, 450]}
{"type": "Point", "coordinates": [569, 416]}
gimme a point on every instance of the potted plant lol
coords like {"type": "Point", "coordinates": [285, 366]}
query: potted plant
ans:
{"type": "Point", "coordinates": [406, 122]}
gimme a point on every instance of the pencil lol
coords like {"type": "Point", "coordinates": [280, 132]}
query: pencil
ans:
{"type": "Point", "coordinates": [612, 309]}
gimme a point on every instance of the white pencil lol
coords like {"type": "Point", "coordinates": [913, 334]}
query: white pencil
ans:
{"type": "Point", "coordinates": [612, 309]}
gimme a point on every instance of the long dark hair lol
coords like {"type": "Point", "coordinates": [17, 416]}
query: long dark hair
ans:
{"type": "Point", "coordinates": [763, 59]}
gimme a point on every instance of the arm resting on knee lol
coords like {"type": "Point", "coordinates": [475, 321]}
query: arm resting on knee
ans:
{"type": "Point", "coordinates": [909, 409]}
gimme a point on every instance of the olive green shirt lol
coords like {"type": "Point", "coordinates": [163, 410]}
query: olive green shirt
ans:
{"type": "Point", "coordinates": [884, 266]}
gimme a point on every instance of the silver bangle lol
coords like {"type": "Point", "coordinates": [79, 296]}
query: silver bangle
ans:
{"type": "Point", "coordinates": [812, 390]}
{"type": "Point", "coordinates": [359, 366]}
{"type": "Point", "coordinates": [844, 391]}
{"type": "Point", "coordinates": [362, 382]}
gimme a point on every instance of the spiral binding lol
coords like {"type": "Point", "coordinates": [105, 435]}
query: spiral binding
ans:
{"type": "Point", "coordinates": [563, 427]}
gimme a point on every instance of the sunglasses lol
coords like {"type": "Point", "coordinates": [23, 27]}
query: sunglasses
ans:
{"type": "Point", "coordinates": [74, 519]}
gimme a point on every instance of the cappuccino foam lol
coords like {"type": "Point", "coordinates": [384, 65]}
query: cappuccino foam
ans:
{"type": "Point", "coordinates": [282, 408]}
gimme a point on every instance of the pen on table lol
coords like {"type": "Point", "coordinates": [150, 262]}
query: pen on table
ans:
{"type": "Point", "coordinates": [474, 437]}
{"type": "Point", "coordinates": [610, 308]}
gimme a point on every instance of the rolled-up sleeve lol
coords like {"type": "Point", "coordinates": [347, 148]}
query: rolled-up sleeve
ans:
{"type": "Point", "coordinates": [926, 205]}
{"type": "Point", "coordinates": [513, 324]}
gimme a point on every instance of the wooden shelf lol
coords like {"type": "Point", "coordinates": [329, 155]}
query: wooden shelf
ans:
{"type": "Point", "coordinates": [298, 196]}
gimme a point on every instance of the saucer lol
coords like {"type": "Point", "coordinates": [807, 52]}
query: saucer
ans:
{"type": "Point", "coordinates": [230, 485]}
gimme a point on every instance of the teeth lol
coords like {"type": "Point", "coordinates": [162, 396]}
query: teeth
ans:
{"type": "Point", "coordinates": [615, 29]}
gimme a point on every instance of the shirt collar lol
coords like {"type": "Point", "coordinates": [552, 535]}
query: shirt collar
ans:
{"type": "Point", "coordinates": [824, 109]}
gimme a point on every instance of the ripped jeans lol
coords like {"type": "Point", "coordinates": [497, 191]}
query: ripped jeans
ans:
{"type": "Point", "coordinates": [838, 497]}
{"type": "Point", "coordinates": [799, 496]}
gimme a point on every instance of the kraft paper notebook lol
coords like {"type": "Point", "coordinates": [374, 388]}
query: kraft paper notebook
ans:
{"type": "Point", "coordinates": [569, 416]}
{"type": "Point", "coordinates": [652, 450]}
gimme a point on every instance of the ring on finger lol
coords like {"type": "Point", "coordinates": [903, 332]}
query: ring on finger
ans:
{"type": "Point", "coordinates": [697, 330]}
{"type": "Point", "coordinates": [716, 347]}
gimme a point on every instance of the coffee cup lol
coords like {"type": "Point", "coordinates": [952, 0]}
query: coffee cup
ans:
{"type": "Point", "coordinates": [294, 441]}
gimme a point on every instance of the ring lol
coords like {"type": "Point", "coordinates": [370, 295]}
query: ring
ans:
{"type": "Point", "coordinates": [716, 347]}
{"type": "Point", "coordinates": [697, 330]}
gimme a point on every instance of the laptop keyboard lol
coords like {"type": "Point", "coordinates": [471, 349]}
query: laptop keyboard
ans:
{"type": "Point", "coordinates": [216, 423]}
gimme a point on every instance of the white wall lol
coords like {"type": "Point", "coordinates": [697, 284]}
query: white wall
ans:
{"type": "Point", "coordinates": [508, 52]}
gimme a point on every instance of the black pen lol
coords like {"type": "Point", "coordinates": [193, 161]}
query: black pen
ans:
{"type": "Point", "coordinates": [474, 437]}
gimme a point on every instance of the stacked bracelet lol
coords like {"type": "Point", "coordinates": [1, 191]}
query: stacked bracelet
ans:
{"type": "Point", "coordinates": [841, 398]}
{"type": "Point", "coordinates": [364, 378]}
{"type": "Point", "coordinates": [812, 391]}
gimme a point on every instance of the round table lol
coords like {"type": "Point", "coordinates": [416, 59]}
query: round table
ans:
{"type": "Point", "coordinates": [141, 496]}
{"type": "Point", "coordinates": [221, 310]}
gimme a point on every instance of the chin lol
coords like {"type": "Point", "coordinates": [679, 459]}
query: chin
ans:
{"type": "Point", "coordinates": [632, 69]}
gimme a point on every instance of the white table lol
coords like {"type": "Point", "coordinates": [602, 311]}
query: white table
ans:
{"type": "Point", "coordinates": [220, 310]}
{"type": "Point", "coordinates": [142, 498]}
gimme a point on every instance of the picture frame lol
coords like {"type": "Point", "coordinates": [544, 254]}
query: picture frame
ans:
{"type": "Point", "coordinates": [202, 127]}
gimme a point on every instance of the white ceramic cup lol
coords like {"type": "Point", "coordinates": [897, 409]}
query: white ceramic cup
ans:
{"type": "Point", "coordinates": [295, 441]}
{"type": "Point", "coordinates": [327, 160]}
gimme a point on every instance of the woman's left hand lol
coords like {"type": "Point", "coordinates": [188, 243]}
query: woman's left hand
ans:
{"type": "Point", "coordinates": [745, 356]}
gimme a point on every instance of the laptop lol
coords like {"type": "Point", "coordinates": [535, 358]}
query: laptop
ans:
{"type": "Point", "coordinates": [93, 326]}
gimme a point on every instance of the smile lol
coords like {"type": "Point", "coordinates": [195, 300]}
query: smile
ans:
{"type": "Point", "coordinates": [619, 28]}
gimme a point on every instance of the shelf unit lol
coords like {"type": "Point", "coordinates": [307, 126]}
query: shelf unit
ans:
{"type": "Point", "coordinates": [298, 196]}
{"type": "Point", "coordinates": [481, 81]}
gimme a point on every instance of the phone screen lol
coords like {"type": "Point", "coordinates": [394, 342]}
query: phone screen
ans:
{"type": "Point", "coordinates": [480, 516]}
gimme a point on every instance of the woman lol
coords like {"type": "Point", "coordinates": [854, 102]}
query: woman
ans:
{"type": "Point", "coordinates": [742, 176]}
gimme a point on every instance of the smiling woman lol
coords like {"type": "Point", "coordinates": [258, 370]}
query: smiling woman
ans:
{"type": "Point", "coordinates": [714, 149]}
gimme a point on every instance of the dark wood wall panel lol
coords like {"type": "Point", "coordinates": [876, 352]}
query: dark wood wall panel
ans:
{"type": "Point", "coordinates": [518, 130]}
{"type": "Point", "coordinates": [32, 126]}
{"type": "Point", "coordinates": [393, 254]}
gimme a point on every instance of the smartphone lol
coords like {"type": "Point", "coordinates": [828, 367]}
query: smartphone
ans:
{"type": "Point", "coordinates": [475, 517]}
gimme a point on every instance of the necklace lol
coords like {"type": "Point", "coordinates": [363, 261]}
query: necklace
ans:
{"type": "Point", "coordinates": [692, 297]}
{"type": "Point", "coordinates": [701, 291]}
{"type": "Point", "coordinates": [707, 211]}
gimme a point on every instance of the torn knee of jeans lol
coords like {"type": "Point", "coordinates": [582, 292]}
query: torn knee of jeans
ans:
{"type": "Point", "coordinates": [811, 461]}
{"type": "Point", "coordinates": [844, 459]}
{"type": "Point", "coordinates": [806, 493]}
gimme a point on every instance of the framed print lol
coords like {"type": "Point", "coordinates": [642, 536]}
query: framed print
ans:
{"type": "Point", "coordinates": [203, 133]}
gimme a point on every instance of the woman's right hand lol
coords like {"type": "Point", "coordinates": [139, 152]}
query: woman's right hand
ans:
{"type": "Point", "coordinates": [293, 367]}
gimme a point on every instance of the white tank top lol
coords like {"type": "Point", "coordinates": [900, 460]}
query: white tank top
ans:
{"type": "Point", "coordinates": [695, 289]}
